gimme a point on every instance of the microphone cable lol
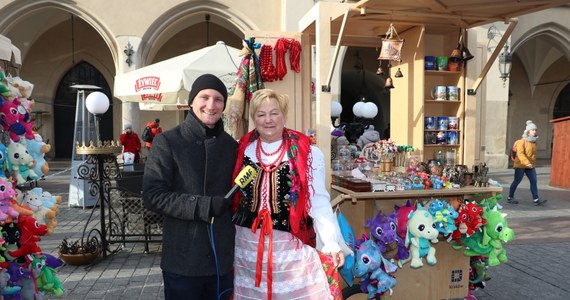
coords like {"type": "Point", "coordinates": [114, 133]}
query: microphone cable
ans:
{"type": "Point", "coordinates": [211, 235]}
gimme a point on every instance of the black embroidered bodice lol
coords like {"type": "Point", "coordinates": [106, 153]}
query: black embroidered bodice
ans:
{"type": "Point", "coordinates": [279, 195]}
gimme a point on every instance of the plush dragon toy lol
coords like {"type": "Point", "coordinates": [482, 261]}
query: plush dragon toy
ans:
{"type": "Point", "coordinates": [373, 269]}
{"type": "Point", "coordinates": [489, 241]}
{"type": "Point", "coordinates": [383, 231]}
{"type": "Point", "coordinates": [421, 233]}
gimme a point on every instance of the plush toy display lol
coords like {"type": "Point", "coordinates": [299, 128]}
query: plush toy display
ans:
{"type": "Point", "coordinates": [383, 232]}
{"type": "Point", "coordinates": [3, 156]}
{"type": "Point", "coordinates": [29, 232]}
{"type": "Point", "coordinates": [402, 213]}
{"type": "Point", "coordinates": [16, 119]}
{"type": "Point", "coordinates": [469, 221]}
{"type": "Point", "coordinates": [489, 242]}
{"type": "Point", "coordinates": [42, 214]}
{"type": "Point", "coordinates": [6, 210]}
{"type": "Point", "coordinates": [444, 216]}
{"type": "Point", "coordinates": [38, 149]}
{"type": "Point", "coordinates": [19, 163]}
{"type": "Point", "coordinates": [373, 269]}
{"type": "Point", "coordinates": [421, 231]}
{"type": "Point", "coordinates": [45, 276]}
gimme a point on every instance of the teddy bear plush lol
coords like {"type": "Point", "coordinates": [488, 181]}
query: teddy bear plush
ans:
{"type": "Point", "coordinates": [6, 210]}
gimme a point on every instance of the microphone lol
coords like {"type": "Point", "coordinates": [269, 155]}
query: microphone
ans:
{"type": "Point", "coordinates": [244, 177]}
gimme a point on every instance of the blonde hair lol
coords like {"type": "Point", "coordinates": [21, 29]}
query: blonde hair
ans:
{"type": "Point", "coordinates": [264, 95]}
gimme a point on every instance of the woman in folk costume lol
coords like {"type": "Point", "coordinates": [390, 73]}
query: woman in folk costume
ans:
{"type": "Point", "coordinates": [276, 215]}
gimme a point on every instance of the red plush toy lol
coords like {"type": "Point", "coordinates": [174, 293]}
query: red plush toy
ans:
{"type": "Point", "coordinates": [469, 221]}
{"type": "Point", "coordinates": [29, 231]}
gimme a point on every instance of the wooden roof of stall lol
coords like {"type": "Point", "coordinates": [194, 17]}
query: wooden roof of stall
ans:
{"type": "Point", "coordinates": [368, 20]}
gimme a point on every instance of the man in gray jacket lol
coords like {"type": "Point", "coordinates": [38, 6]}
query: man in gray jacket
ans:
{"type": "Point", "coordinates": [187, 174]}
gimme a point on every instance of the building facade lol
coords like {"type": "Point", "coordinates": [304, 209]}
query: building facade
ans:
{"type": "Point", "coordinates": [89, 42]}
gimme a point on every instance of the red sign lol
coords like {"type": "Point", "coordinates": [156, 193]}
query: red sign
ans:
{"type": "Point", "coordinates": [147, 83]}
{"type": "Point", "coordinates": [152, 97]}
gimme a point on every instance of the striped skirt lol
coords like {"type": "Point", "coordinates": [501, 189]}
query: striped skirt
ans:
{"type": "Point", "coordinates": [297, 270]}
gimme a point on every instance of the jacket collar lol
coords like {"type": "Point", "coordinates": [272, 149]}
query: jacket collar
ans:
{"type": "Point", "coordinates": [192, 125]}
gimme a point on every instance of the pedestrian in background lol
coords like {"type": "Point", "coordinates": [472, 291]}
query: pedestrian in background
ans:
{"type": "Point", "coordinates": [525, 163]}
{"type": "Point", "coordinates": [131, 142]}
{"type": "Point", "coordinates": [152, 129]}
{"type": "Point", "coordinates": [187, 174]}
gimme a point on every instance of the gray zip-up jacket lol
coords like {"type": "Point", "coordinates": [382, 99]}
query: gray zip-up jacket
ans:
{"type": "Point", "coordinates": [184, 169]}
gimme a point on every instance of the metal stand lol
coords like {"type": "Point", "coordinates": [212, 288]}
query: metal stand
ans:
{"type": "Point", "coordinates": [100, 169]}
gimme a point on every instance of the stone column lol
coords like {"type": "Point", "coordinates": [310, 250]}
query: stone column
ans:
{"type": "Point", "coordinates": [129, 60]}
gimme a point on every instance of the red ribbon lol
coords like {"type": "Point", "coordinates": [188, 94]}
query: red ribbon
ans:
{"type": "Point", "coordinates": [264, 217]}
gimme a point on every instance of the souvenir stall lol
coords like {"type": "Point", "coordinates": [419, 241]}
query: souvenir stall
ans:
{"type": "Point", "coordinates": [421, 179]}
{"type": "Point", "coordinates": [27, 211]}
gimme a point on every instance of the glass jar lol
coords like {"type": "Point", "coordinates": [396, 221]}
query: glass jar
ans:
{"type": "Point", "coordinates": [450, 157]}
{"type": "Point", "coordinates": [343, 152]}
{"type": "Point", "coordinates": [439, 155]}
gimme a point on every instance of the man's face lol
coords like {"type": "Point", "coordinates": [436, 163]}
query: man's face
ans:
{"type": "Point", "coordinates": [208, 105]}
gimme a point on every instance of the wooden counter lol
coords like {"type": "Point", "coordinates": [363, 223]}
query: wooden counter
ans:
{"type": "Point", "coordinates": [410, 194]}
{"type": "Point", "coordinates": [448, 278]}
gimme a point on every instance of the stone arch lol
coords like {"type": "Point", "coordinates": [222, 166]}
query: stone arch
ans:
{"type": "Point", "coordinates": [188, 14]}
{"type": "Point", "coordinates": [542, 53]}
{"type": "Point", "coordinates": [14, 14]}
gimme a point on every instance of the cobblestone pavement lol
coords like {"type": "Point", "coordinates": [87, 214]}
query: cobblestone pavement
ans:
{"type": "Point", "coordinates": [537, 266]}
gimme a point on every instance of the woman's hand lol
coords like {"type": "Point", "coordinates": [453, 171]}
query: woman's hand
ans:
{"type": "Point", "coordinates": [338, 259]}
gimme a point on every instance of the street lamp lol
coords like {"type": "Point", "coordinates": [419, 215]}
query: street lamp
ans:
{"type": "Point", "coordinates": [97, 103]}
{"type": "Point", "coordinates": [101, 166]}
{"type": "Point", "coordinates": [505, 64]}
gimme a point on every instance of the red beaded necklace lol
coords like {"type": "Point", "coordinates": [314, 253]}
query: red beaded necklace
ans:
{"type": "Point", "coordinates": [271, 166]}
{"type": "Point", "coordinates": [270, 153]}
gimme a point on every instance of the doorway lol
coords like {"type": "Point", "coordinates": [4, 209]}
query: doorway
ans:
{"type": "Point", "coordinates": [65, 106]}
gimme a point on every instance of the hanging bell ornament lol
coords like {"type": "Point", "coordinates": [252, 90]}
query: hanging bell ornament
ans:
{"type": "Point", "coordinates": [398, 74]}
{"type": "Point", "coordinates": [465, 53]}
{"type": "Point", "coordinates": [389, 83]}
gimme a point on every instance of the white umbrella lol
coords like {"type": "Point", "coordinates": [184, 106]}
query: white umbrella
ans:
{"type": "Point", "coordinates": [165, 85]}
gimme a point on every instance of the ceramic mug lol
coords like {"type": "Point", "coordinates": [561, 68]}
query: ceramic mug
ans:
{"type": "Point", "coordinates": [442, 123]}
{"type": "Point", "coordinates": [441, 137]}
{"type": "Point", "coordinates": [429, 123]}
{"type": "Point", "coordinates": [429, 63]}
{"type": "Point", "coordinates": [453, 93]}
{"type": "Point", "coordinates": [439, 92]}
{"type": "Point", "coordinates": [452, 137]}
{"type": "Point", "coordinates": [441, 62]}
{"type": "Point", "coordinates": [453, 123]}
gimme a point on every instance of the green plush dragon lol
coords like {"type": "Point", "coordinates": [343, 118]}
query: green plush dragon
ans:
{"type": "Point", "coordinates": [489, 241]}
{"type": "Point", "coordinates": [46, 277]}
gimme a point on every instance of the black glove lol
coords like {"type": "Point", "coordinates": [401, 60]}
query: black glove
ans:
{"type": "Point", "coordinates": [219, 204]}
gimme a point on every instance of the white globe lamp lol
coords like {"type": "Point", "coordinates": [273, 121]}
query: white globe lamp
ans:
{"type": "Point", "coordinates": [336, 109]}
{"type": "Point", "coordinates": [97, 103]}
{"type": "Point", "coordinates": [369, 110]}
{"type": "Point", "coordinates": [357, 108]}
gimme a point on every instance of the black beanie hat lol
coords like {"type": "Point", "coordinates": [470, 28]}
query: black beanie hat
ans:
{"type": "Point", "coordinates": [207, 81]}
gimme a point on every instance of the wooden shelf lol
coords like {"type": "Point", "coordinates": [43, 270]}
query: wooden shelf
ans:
{"type": "Point", "coordinates": [346, 194]}
{"type": "Point", "coordinates": [441, 145]}
{"type": "Point", "coordinates": [435, 72]}
{"type": "Point", "coordinates": [438, 130]}
{"type": "Point", "coordinates": [443, 101]}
